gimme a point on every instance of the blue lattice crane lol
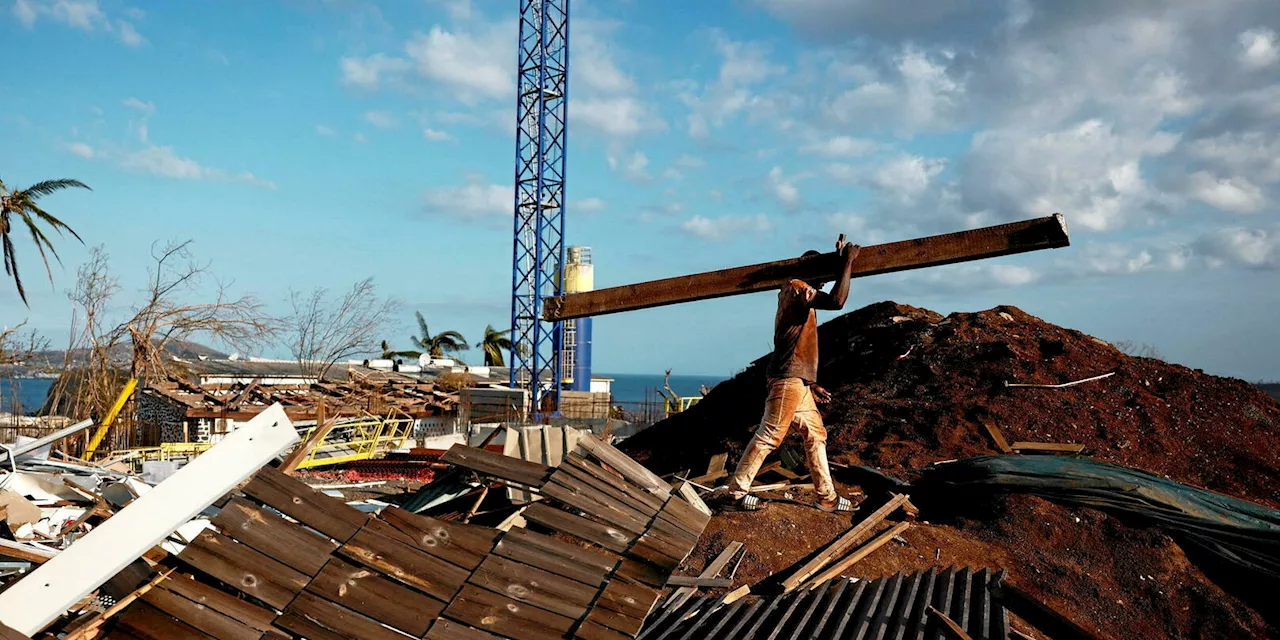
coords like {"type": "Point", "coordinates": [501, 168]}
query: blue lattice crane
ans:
{"type": "Point", "coordinates": [542, 93]}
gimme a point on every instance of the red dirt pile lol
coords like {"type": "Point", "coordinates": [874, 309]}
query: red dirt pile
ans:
{"type": "Point", "coordinates": [910, 388]}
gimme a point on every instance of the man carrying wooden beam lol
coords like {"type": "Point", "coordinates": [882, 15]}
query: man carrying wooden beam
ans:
{"type": "Point", "coordinates": [793, 389]}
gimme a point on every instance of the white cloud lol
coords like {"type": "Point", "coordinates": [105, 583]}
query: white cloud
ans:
{"type": "Point", "coordinates": [783, 188]}
{"type": "Point", "coordinates": [686, 161]}
{"type": "Point", "coordinates": [919, 94]}
{"type": "Point", "coordinates": [80, 149]}
{"type": "Point", "coordinates": [163, 161]}
{"type": "Point", "coordinates": [587, 205]}
{"type": "Point", "coordinates": [1228, 194]}
{"type": "Point", "coordinates": [1251, 248]}
{"type": "Point", "coordinates": [381, 119]}
{"type": "Point", "coordinates": [436, 135]}
{"type": "Point", "coordinates": [724, 227]}
{"type": "Point", "coordinates": [743, 66]}
{"type": "Point", "coordinates": [477, 65]}
{"type": "Point", "coordinates": [906, 177]}
{"type": "Point", "coordinates": [620, 117]}
{"type": "Point", "coordinates": [25, 12]}
{"type": "Point", "coordinates": [147, 108]}
{"type": "Point", "coordinates": [324, 131]}
{"type": "Point", "coordinates": [369, 72]}
{"type": "Point", "coordinates": [81, 14]}
{"type": "Point", "coordinates": [841, 147]}
{"type": "Point", "coordinates": [475, 201]}
{"type": "Point", "coordinates": [129, 35]}
{"type": "Point", "coordinates": [1258, 48]}
{"type": "Point", "coordinates": [594, 69]}
{"type": "Point", "coordinates": [673, 174]}
{"type": "Point", "coordinates": [636, 168]}
{"type": "Point", "coordinates": [458, 9]}
{"type": "Point", "coordinates": [360, 138]}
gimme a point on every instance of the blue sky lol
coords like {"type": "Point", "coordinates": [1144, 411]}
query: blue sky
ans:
{"type": "Point", "coordinates": [306, 143]}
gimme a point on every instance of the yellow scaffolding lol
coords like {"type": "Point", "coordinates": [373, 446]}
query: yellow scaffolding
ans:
{"type": "Point", "coordinates": [359, 439]}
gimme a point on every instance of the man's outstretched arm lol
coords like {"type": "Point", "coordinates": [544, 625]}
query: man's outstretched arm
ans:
{"type": "Point", "coordinates": [834, 301]}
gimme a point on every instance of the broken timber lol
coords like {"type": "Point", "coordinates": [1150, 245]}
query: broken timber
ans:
{"type": "Point", "coordinates": [976, 244]}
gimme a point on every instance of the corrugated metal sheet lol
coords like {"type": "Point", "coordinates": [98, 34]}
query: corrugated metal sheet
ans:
{"type": "Point", "coordinates": [889, 608]}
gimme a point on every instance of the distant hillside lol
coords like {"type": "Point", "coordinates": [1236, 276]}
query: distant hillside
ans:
{"type": "Point", "coordinates": [1272, 389]}
{"type": "Point", "coordinates": [53, 359]}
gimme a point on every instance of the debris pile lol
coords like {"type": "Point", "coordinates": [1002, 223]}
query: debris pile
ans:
{"type": "Point", "coordinates": [912, 389]}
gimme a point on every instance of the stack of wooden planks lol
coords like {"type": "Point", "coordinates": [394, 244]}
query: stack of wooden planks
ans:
{"type": "Point", "coordinates": [285, 561]}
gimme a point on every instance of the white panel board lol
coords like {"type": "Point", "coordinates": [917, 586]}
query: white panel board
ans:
{"type": "Point", "coordinates": [41, 597]}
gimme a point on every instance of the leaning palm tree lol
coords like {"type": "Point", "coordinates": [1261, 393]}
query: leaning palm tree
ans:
{"type": "Point", "coordinates": [495, 344]}
{"type": "Point", "coordinates": [391, 354]}
{"type": "Point", "coordinates": [438, 345]}
{"type": "Point", "coordinates": [20, 204]}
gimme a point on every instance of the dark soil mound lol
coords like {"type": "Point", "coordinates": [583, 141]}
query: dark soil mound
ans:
{"type": "Point", "coordinates": [911, 387]}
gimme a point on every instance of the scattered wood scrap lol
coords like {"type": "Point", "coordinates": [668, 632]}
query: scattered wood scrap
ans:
{"type": "Point", "coordinates": [1038, 614]}
{"type": "Point", "coordinates": [860, 553]}
{"type": "Point", "coordinates": [715, 470]}
{"type": "Point", "coordinates": [843, 543]}
{"type": "Point", "coordinates": [997, 437]}
{"type": "Point", "coordinates": [713, 569]}
{"type": "Point", "coordinates": [1059, 386]}
{"type": "Point", "coordinates": [698, 581]}
{"type": "Point", "coordinates": [954, 629]}
{"type": "Point", "coordinates": [1047, 447]}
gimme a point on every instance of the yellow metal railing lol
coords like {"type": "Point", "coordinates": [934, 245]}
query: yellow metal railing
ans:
{"type": "Point", "coordinates": [359, 439]}
{"type": "Point", "coordinates": [685, 403]}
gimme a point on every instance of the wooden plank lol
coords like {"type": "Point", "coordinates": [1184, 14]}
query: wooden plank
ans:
{"type": "Point", "coordinates": [534, 586]}
{"type": "Point", "coordinates": [27, 552]}
{"type": "Point", "coordinates": [715, 469]}
{"type": "Point", "coordinates": [576, 462]}
{"type": "Point", "coordinates": [325, 514]}
{"type": "Point", "coordinates": [712, 570]}
{"type": "Point", "coordinates": [8, 633]}
{"type": "Point", "coordinates": [445, 629]}
{"type": "Point", "coordinates": [642, 573]}
{"type": "Point", "coordinates": [149, 623]}
{"type": "Point", "coordinates": [694, 581]}
{"type": "Point", "coordinates": [571, 491]}
{"type": "Point", "coordinates": [614, 620]}
{"type": "Point", "coordinates": [843, 543]}
{"type": "Point", "coordinates": [345, 622]}
{"type": "Point", "coordinates": [681, 510]}
{"type": "Point", "coordinates": [629, 599]}
{"type": "Point", "coordinates": [90, 628]}
{"type": "Point", "coordinates": [654, 550]}
{"type": "Point", "coordinates": [555, 556]}
{"type": "Point", "coordinates": [206, 619]}
{"type": "Point", "coordinates": [607, 536]}
{"type": "Point", "coordinates": [593, 631]}
{"type": "Point", "coordinates": [667, 516]}
{"type": "Point", "coordinates": [976, 244]}
{"type": "Point", "coordinates": [954, 630]}
{"type": "Point", "coordinates": [405, 563]}
{"type": "Point", "coordinates": [243, 568]}
{"type": "Point", "coordinates": [366, 592]}
{"type": "Point", "coordinates": [673, 533]}
{"type": "Point", "coordinates": [460, 544]}
{"type": "Point", "coordinates": [630, 469]}
{"type": "Point", "coordinates": [861, 553]}
{"type": "Point", "coordinates": [691, 495]}
{"type": "Point", "coordinates": [44, 594]}
{"type": "Point", "coordinates": [237, 608]}
{"type": "Point", "coordinates": [274, 536]}
{"type": "Point", "coordinates": [997, 437]}
{"type": "Point", "coordinates": [497, 465]}
{"type": "Point", "coordinates": [1048, 447]}
{"type": "Point", "coordinates": [295, 457]}
{"type": "Point", "coordinates": [641, 502]}
{"type": "Point", "coordinates": [501, 615]}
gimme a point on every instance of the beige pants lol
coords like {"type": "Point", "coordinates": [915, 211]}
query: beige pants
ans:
{"type": "Point", "coordinates": [790, 402]}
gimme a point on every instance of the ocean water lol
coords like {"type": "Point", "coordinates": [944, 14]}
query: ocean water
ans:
{"type": "Point", "coordinates": [632, 387]}
{"type": "Point", "coordinates": [28, 393]}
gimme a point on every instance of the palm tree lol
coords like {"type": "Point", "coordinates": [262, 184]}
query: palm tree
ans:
{"type": "Point", "coordinates": [495, 344]}
{"type": "Point", "coordinates": [390, 354]}
{"type": "Point", "coordinates": [438, 345]}
{"type": "Point", "coordinates": [21, 203]}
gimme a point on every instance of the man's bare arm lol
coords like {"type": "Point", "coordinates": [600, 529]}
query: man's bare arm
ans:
{"type": "Point", "coordinates": [834, 301]}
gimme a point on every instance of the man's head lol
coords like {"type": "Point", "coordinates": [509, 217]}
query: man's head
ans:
{"type": "Point", "coordinates": [816, 284]}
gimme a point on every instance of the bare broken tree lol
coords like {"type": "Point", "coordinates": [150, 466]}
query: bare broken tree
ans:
{"type": "Point", "coordinates": [322, 331]}
{"type": "Point", "coordinates": [170, 312]}
{"type": "Point", "coordinates": [18, 346]}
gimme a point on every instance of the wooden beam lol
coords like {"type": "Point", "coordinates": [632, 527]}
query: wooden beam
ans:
{"type": "Point", "coordinates": [300, 453]}
{"type": "Point", "coordinates": [1038, 614]}
{"type": "Point", "coordinates": [862, 552]}
{"type": "Point", "coordinates": [956, 631]}
{"type": "Point", "coordinates": [1048, 447]}
{"type": "Point", "coordinates": [843, 543]}
{"type": "Point", "coordinates": [698, 581]}
{"type": "Point", "coordinates": [976, 244]}
{"type": "Point", "coordinates": [36, 600]}
{"type": "Point", "coordinates": [997, 437]}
